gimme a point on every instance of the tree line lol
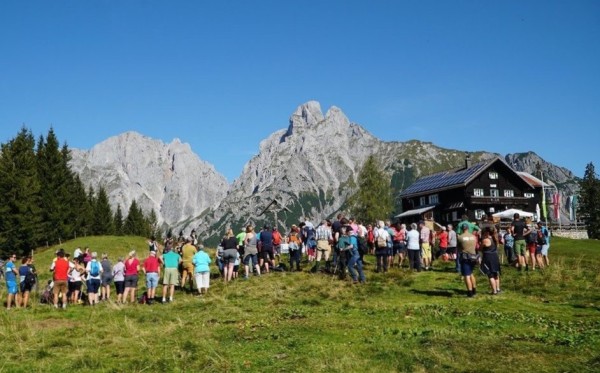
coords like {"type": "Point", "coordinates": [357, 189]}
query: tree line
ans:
{"type": "Point", "coordinates": [44, 203]}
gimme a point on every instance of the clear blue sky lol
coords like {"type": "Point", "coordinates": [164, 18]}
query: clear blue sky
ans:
{"type": "Point", "coordinates": [503, 76]}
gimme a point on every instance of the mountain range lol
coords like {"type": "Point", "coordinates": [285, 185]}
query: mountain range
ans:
{"type": "Point", "coordinates": [307, 170]}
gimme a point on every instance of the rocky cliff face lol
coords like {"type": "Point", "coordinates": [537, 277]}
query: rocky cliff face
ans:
{"type": "Point", "coordinates": [309, 169]}
{"type": "Point", "coordinates": [168, 178]}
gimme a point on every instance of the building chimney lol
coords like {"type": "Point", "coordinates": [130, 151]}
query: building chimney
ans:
{"type": "Point", "coordinates": [468, 161]}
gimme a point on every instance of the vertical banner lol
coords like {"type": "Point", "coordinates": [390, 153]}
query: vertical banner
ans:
{"type": "Point", "coordinates": [571, 210]}
{"type": "Point", "coordinates": [556, 202]}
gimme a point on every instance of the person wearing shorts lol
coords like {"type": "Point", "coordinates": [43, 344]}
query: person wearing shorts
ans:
{"type": "Point", "coordinates": [187, 267]}
{"type": "Point", "coordinates": [519, 230]}
{"type": "Point", "coordinates": [75, 281]}
{"type": "Point", "coordinates": [132, 267]}
{"type": "Point", "coordinates": [230, 254]}
{"type": "Point", "coordinates": [118, 273]}
{"type": "Point", "coordinates": [171, 260]}
{"type": "Point", "coordinates": [250, 252]}
{"type": "Point", "coordinates": [467, 242]}
{"type": "Point", "coordinates": [152, 270]}
{"type": "Point", "coordinates": [60, 268]}
{"type": "Point", "coordinates": [10, 274]}
{"type": "Point", "coordinates": [93, 281]}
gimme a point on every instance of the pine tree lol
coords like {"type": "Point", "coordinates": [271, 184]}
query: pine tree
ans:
{"type": "Point", "coordinates": [20, 213]}
{"type": "Point", "coordinates": [55, 178]}
{"type": "Point", "coordinates": [81, 212]}
{"type": "Point", "coordinates": [103, 218]}
{"type": "Point", "coordinates": [135, 223]}
{"type": "Point", "coordinates": [118, 221]}
{"type": "Point", "coordinates": [373, 201]}
{"type": "Point", "coordinates": [589, 201]}
{"type": "Point", "coordinates": [153, 225]}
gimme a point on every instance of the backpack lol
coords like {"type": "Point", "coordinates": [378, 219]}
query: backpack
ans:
{"type": "Point", "coordinates": [531, 237]}
{"type": "Point", "coordinates": [30, 279]}
{"type": "Point", "coordinates": [276, 238]}
{"type": "Point", "coordinates": [153, 247]}
{"type": "Point", "coordinates": [94, 269]}
{"type": "Point", "coordinates": [381, 241]}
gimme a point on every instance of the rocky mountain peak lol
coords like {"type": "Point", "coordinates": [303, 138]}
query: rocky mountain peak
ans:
{"type": "Point", "coordinates": [306, 115]}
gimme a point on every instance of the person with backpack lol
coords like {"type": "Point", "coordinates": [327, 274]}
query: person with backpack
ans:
{"type": "Point", "coordinates": [295, 242]}
{"type": "Point", "coordinates": [277, 240]}
{"type": "Point", "coordinates": [94, 272]}
{"type": "Point", "coordinates": [381, 243]}
{"type": "Point", "coordinates": [27, 280]}
{"type": "Point", "coordinates": [541, 241]}
{"type": "Point", "coordinates": [532, 246]}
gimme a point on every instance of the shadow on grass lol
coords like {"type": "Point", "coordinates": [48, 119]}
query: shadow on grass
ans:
{"type": "Point", "coordinates": [434, 293]}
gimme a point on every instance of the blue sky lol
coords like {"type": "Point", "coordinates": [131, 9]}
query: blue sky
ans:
{"type": "Point", "coordinates": [505, 76]}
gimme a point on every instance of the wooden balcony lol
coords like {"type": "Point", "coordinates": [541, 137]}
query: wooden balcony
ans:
{"type": "Point", "coordinates": [508, 201]}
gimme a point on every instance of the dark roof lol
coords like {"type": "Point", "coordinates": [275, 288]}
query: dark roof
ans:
{"type": "Point", "coordinates": [453, 178]}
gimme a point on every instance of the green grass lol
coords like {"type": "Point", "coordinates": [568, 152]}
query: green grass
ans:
{"type": "Point", "coordinates": [545, 321]}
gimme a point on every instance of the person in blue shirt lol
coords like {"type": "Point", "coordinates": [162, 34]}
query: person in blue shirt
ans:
{"type": "Point", "coordinates": [354, 256]}
{"type": "Point", "coordinates": [12, 287]}
{"type": "Point", "coordinates": [201, 261]}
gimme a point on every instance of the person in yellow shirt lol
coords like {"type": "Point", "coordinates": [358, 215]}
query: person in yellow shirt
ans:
{"type": "Point", "coordinates": [188, 251]}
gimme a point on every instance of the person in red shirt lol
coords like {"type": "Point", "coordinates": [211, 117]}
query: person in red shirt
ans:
{"type": "Point", "coordinates": [132, 267]}
{"type": "Point", "coordinates": [61, 268]}
{"type": "Point", "coordinates": [443, 237]}
{"type": "Point", "coordinates": [152, 272]}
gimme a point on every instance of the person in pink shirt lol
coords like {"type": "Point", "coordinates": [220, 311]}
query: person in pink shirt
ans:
{"type": "Point", "coordinates": [132, 267]}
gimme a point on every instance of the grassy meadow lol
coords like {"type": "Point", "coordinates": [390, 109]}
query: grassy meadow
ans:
{"type": "Point", "coordinates": [544, 321]}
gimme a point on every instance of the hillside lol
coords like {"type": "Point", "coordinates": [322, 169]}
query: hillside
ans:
{"type": "Point", "coordinates": [545, 321]}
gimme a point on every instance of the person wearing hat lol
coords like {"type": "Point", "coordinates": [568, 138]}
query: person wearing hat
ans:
{"type": "Point", "coordinates": [151, 269]}
{"type": "Point", "coordinates": [443, 237]}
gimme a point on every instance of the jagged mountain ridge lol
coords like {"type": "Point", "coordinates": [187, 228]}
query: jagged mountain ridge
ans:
{"type": "Point", "coordinates": [310, 168]}
{"type": "Point", "coordinates": [169, 178]}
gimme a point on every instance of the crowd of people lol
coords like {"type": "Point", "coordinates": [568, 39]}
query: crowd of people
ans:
{"type": "Point", "coordinates": [342, 244]}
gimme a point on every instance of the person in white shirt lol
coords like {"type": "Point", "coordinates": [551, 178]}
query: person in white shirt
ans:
{"type": "Point", "coordinates": [381, 249]}
{"type": "Point", "coordinates": [413, 247]}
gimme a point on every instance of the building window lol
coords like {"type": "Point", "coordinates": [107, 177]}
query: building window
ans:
{"type": "Point", "coordinates": [529, 195]}
{"type": "Point", "coordinates": [509, 193]}
{"type": "Point", "coordinates": [433, 199]}
{"type": "Point", "coordinates": [422, 201]}
{"type": "Point", "coordinates": [493, 175]}
{"type": "Point", "coordinates": [478, 192]}
{"type": "Point", "coordinates": [494, 193]}
{"type": "Point", "coordinates": [479, 214]}
{"type": "Point", "coordinates": [454, 215]}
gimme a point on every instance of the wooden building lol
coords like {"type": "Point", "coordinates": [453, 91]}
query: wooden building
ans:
{"type": "Point", "coordinates": [477, 189]}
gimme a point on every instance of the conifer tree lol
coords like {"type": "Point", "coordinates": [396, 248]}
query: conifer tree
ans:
{"type": "Point", "coordinates": [20, 213]}
{"type": "Point", "coordinates": [589, 201]}
{"type": "Point", "coordinates": [373, 201]}
{"type": "Point", "coordinates": [55, 178]}
{"type": "Point", "coordinates": [135, 223]}
{"type": "Point", "coordinates": [81, 211]}
{"type": "Point", "coordinates": [118, 221]}
{"type": "Point", "coordinates": [153, 225]}
{"type": "Point", "coordinates": [103, 218]}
